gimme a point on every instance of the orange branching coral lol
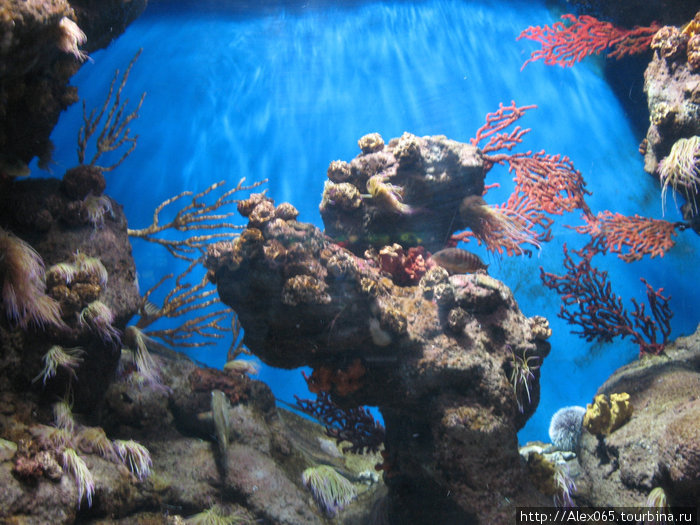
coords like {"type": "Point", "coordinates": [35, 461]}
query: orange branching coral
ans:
{"type": "Point", "coordinates": [631, 237]}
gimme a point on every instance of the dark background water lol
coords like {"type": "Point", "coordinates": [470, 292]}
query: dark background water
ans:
{"type": "Point", "coordinates": [278, 90]}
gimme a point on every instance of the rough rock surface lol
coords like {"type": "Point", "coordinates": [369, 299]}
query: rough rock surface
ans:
{"type": "Point", "coordinates": [672, 87]}
{"type": "Point", "coordinates": [260, 475]}
{"type": "Point", "coordinates": [660, 445]}
{"type": "Point", "coordinates": [57, 226]}
{"type": "Point", "coordinates": [407, 191]}
{"type": "Point", "coordinates": [34, 70]}
{"type": "Point", "coordinates": [438, 359]}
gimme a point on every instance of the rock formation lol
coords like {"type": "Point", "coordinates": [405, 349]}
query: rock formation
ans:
{"type": "Point", "coordinates": [660, 445]}
{"type": "Point", "coordinates": [451, 362]}
{"type": "Point", "coordinates": [672, 86]}
{"type": "Point", "coordinates": [41, 47]}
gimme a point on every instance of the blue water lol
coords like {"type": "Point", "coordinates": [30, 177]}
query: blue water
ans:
{"type": "Point", "coordinates": [279, 92]}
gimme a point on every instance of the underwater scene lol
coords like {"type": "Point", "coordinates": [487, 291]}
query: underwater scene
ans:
{"type": "Point", "coordinates": [355, 262]}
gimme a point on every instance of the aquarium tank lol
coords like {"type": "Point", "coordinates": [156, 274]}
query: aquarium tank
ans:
{"type": "Point", "coordinates": [356, 262]}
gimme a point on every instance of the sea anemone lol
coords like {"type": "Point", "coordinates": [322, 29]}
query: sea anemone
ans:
{"type": "Point", "coordinates": [681, 171]}
{"type": "Point", "coordinates": [94, 440]}
{"type": "Point", "coordinates": [99, 318]}
{"type": "Point", "coordinates": [96, 207]}
{"type": "Point", "coordinates": [330, 490]}
{"type": "Point", "coordinates": [74, 464]}
{"type": "Point", "coordinates": [63, 416]}
{"type": "Point", "coordinates": [59, 357]}
{"type": "Point", "coordinates": [566, 426]}
{"type": "Point", "coordinates": [144, 362]}
{"type": "Point", "coordinates": [70, 38]}
{"type": "Point", "coordinates": [521, 376]}
{"type": "Point", "coordinates": [23, 283]}
{"type": "Point", "coordinates": [565, 486]}
{"type": "Point", "coordinates": [657, 500]}
{"type": "Point", "coordinates": [220, 515]}
{"type": "Point", "coordinates": [135, 456]}
{"type": "Point", "coordinates": [52, 437]}
{"type": "Point", "coordinates": [62, 272]}
{"type": "Point", "coordinates": [91, 266]}
{"type": "Point", "coordinates": [495, 226]}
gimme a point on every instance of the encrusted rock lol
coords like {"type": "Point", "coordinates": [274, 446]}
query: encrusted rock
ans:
{"type": "Point", "coordinates": [371, 143]}
{"type": "Point", "coordinates": [262, 214]}
{"type": "Point", "coordinates": [109, 277]}
{"type": "Point", "coordinates": [339, 171]}
{"type": "Point", "coordinates": [436, 358]}
{"type": "Point", "coordinates": [693, 52]}
{"type": "Point", "coordinates": [669, 42]}
{"type": "Point", "coordinates": [457, 319]}
{"type": "Point", "coordinates": [672, 86]}
{"type": "Point", "coordinates": [658, 445]}
{"type": "Point", "coordinates": [444, 295]}
{"type": "Point", "coordinates": [342, 195]}
{"type": "Point", "coordinates": [540, 327]}
{"type": "Point", "coordinates": [81, 181]}
{"type": "Point", "coordinates": [286, 212]}
{"type": "Point", "coordinates": [37, 59]}
{"type": "Point", "coordinates": [406, 193]}
{"type": "Point", "coordinates": [246, 206]}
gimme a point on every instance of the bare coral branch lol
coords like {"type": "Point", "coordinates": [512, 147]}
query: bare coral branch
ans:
{"type": "Point", "coordinates": [195, 216]}
{"type": "Point", "coordinates": [115, 132]}
{"type": "Point", "coordinates": [182, 299]}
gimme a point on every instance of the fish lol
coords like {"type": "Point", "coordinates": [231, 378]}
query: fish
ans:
{"type": "Point", "coordinates": [456, 260]}
{"type": "Point", "coordinates": [220, 406]}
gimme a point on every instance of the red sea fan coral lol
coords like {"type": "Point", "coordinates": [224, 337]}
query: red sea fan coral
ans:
{"type": "Point", "coordinates": [631, 237]}
{"type": "Point", "coordinates": [570, 41]}
{"type": "Point", "coordinates": [23, 283]}
{"type": "Point", "coordinates": [589, 303]}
